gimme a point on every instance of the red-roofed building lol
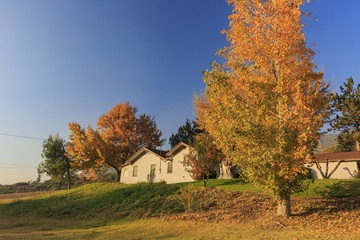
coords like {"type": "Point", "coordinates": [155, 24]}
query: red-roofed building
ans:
{"type": "Point", "coordinates": [346, 165]}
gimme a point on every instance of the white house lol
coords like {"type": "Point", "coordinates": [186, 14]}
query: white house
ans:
{"type": "Point", "coordinates": [345, 164]}
{"type": "Point", "coordinates": [169, 166]}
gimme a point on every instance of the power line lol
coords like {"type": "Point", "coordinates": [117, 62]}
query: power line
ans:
{"type": "Point", "coordinates": [19, 136]}
{"type": "Point", "coordinates": [15, 167]}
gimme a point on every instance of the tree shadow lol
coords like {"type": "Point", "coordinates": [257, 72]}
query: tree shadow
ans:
{"type": "Point", "coordinates": [331, 205]}
{"type": "Point", "coordinates": [337, 197]}
{"type": "Point", "coordinates": [232, 182]}
{"type": "Point", "coordinates": [339, 189]}
{"type": "Point", "coordinates": [347, 169]}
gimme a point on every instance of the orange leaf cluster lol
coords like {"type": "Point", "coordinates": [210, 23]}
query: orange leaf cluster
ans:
{"type": "Point", "coordinates": [119, 134]}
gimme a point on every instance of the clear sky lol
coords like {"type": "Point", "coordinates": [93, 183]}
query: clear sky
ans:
{"type": "Point", "coordinates": [63, 61]}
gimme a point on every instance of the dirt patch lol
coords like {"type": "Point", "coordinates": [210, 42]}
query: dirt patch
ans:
{"type": "Point", "coordinates": [23, 195]}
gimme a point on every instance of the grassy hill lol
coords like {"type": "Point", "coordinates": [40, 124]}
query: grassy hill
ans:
{"type": "Point", "coordinates": [144, 211]}
{"type": "Point", "coordinates": [117, 200]}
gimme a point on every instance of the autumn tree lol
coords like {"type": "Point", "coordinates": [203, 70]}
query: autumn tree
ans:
{"type": "Point", "coordinates": [329, 149]}
{"type": "Point", "coordinates": [56, 164]}
{"type": "Point", "coordinates": [265, 105]}
{"type": "Point", "coordinates": [119, 134]}
{"type": "Point", "coordinates": [346, 105]}
{"type": "Point", "coordinates": [203, 157]}
{"type": "Point", "coordinates": [186, 133]}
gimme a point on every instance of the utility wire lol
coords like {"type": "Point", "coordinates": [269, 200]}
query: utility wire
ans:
{"type": "Point", "coordinates": [15, 167]}
{"type": "Point", "coordinates": [19, 136]}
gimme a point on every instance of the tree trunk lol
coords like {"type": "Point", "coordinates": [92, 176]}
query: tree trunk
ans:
{"type": "Point", "coordinates": [284, 207]}
{"type": "Point", "coordinates": [118, 174]}
{"type": "Point", "coordinates": [225, 170]}
{"type": "Point", "coordinates": [357, 146]}
{"type": "Point", "coordinates": [118, 171]}
{"type": "Point", "coordinates": [68, 175]}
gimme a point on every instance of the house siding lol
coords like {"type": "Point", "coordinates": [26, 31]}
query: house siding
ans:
{"type": "Point", "coordinates": [179, 173]}
{"type": "Point", "coordinates": [144, 162]}
{"type": "Point", "coordinates": [345, 170]}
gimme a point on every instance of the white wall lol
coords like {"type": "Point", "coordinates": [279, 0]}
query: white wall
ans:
{"type": "Point", "coordinates": [179, 171]}
{"type": "Point", "coordinates": [344, 171]}
{"type": "Point", "coordinates": [179, 174]}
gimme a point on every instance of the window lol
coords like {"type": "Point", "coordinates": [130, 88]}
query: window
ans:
{"type": "Point", "coordinates": [153, 168]}
{"type": "Point", "coordinates": [135, 171]}
{"type": "Point", "coordinates": [169, 167]}
{"type": "Point", "coordinates": [186, 161]}
{"type": "Point", "coordinates": [125, 172]}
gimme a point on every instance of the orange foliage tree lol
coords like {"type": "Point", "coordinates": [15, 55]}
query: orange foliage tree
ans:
{"type": "Point", "coordinates": [266, 104]}
{"type": "Point", "coordinates": [203, 157]}
{"type": "Point", "coordinates": [119, 134]}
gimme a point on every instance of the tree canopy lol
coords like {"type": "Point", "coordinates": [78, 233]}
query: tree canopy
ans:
{"type": "Point", "coordinates": [119, 134]}
{"type": "Point", "coordinates": [346, 105]}
{"type": "Point", "coordinates": [186, 133]}
{"type": "Point", "coordinates": [265, 105]}
{"type": "Point", "coordinates": [203, 157]}
{"type": "Point", "coordinates": [56, 164]}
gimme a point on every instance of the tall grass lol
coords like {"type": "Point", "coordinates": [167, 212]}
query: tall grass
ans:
{"type": "Point", "coordinates": [98, 199]}
{"type": "Point", "coordinates": [115, 200]}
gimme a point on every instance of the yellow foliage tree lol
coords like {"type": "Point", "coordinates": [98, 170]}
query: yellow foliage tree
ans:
{"type": "Point", "coordinates": [266, 104]}
{"type": "Point", "coordinates": [119, 134]}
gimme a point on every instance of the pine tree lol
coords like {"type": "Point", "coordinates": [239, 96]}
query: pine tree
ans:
{"type": "Point", "coordinates": [347, 106]}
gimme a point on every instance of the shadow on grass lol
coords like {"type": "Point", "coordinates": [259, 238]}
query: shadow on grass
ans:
{"type": "Point", "coordinates": [339, 189]}
{"type": "Point", "coordinates": [230, 182]}
{"type": "Point", "coordinates": [337, 197]}
{"type": "Point", "coordinates": [331, 205]}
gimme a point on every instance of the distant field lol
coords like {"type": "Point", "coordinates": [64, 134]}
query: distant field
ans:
{"type": "Point", "coordinates": [231, 210]}
{"type": "Point", "coordinates": [6, 198]}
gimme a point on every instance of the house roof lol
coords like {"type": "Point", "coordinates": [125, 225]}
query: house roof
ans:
{"type": "Point", "coordinates": [177, 147]}
{"type": "Point", "coordinates": [164, 155]}
{"type": "Point", "coordinates": [335, 157]}
{"type": "Point", "coordinates": [161, 154]}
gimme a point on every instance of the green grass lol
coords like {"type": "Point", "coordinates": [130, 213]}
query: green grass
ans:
{"type": "Point", "coordinates": [144, 211]}
{"type": "Point", "coordinates": [230, 184]}
{"type": "Point", "coordinates": [333, 188]}
{"type": "Point", "coordinates": [98, 199]}
{"type": "Point", "coordinates": [117, 200]}
{"type": "Point", "coordinates": [317, 188]}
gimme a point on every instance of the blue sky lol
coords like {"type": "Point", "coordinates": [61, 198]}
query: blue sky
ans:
{"type": "Point", "coordinates": [63, 61]}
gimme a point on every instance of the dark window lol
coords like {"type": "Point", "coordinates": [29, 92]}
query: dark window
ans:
{"type": "Point", "coordinates": [170, 167]}
{"type": "Point", "coordinates": [135, 171]}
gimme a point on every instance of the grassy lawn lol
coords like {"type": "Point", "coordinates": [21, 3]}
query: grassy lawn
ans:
{"type": "Point", "coordinates": [263, 228]}
{"type": "Point", "coordinates": [317, 188]}
{"type": "Point", "coordinates": [228, 209]}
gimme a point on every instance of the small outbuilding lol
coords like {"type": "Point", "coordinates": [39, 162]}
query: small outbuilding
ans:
{"type": "Point", "coordinates": [343, 165]}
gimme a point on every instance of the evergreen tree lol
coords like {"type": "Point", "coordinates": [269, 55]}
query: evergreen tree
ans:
{"type": "Point", "coordinates": [347, 107]}
{"type": "Point", "coordinates": [56, 164]}
{"type": "Point", "coordinates": [186, 133]}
